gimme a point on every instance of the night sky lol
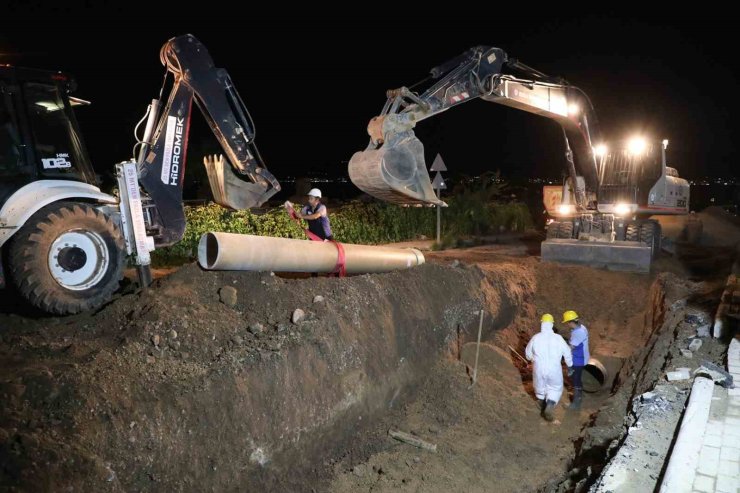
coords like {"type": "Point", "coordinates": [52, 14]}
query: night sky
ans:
{"type": "Point", "coordinates": [312, 80]}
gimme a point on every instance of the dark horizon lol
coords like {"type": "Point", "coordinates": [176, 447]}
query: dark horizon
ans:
{"type": "Point", "coordinates": [312, 87]}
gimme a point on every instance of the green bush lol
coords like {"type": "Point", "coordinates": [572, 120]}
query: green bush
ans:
{"type": "Point", "coordinates": [363, 223]}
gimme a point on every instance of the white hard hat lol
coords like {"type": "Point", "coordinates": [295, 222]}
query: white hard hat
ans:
{"type": "Point", "coordinates": [314, 192]}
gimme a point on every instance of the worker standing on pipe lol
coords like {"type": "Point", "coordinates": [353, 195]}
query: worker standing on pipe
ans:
{"type": "Point", "coordinates": [579, 345]}
{"type": "Point", "coordinates": [317, 216]}
{"type": "Point", "coordinates": [547, 349]}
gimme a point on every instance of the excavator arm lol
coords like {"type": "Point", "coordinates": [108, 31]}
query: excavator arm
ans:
{"type": "Point", "coordinates": [392, 167]}
{"type": "Point", "coordinates": [240, 181]}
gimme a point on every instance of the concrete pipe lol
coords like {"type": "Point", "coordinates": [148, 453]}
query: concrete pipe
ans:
{"type": "Point", "coordinates": [227, 251]}
{"type": "Point", "coordinates": [595, 376]}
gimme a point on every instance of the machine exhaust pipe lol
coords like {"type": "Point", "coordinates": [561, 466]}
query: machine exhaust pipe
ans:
{"type": "Point", "coordinates": [228, 251]}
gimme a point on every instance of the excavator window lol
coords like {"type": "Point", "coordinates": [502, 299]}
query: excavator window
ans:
{"type": "Point", "coordinates": [58, 146]}
{"type": "Point", "coordinates": [12, 158]}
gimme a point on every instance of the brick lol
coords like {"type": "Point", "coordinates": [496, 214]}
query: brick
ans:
{"type": "Point", "coordinates": [709, 461]}
{"type": "Point", "coordinates": [726, 484]}
{"type": "Point", "coordinates": [733, 411]}
{"type": "Point", "coordinates": [727, 468]}
{"type": "Point", "coordinates": [704, 484]}
{"type": "Point", "coordinates": [714, 428]}
{"type": "Point", "coordinates": [732, 431]}
{"type": "Point", "coordinates": [729, 453]}
{"type": "Point", "coordinates": [727, 440]}
{"type": "Point", "coordinates": [716, 441]}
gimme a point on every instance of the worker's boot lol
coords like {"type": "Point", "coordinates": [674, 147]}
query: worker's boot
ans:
{"type": "Point", "coordinates": [548, 412]}
{"type": "Point", "coordinates": [577, 398]}
{"type": "Point", "coordinates": [542, 403]}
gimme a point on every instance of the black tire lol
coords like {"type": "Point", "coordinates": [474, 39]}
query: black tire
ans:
{"type": "Point", "coordinates": [650, 235]}
{"type": "Point", "coordinates": [632, 232]}
{"type": "Point", "coordinates": [566, 230]}
{"type": "Point", "coordinates": [29, 257]}
{"type": "Point", "coordinates": [552, 229]}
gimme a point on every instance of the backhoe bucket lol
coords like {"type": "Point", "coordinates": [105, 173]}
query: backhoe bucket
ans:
{"type": "Point", "coordinates": [394, 173]}
{"type": "Point", "coordinates": [231, 191]}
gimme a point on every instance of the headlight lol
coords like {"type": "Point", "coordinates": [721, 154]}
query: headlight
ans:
{"type": "Point", "coordinates": [565, 209]}
{"type": "Point", "coordinates": [622, 209]}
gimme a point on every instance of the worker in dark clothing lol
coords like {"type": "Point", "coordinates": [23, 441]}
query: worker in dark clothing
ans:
{"type": "Point", "coordinates": [317, 216]}
{"type": "Point", "coordinates": [581, 355]}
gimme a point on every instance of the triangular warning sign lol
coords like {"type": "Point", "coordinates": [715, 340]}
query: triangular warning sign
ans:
{"type": "Point", "coordinates": [438, 164]}
{"type": "Point", "coordinates": [438, 183]}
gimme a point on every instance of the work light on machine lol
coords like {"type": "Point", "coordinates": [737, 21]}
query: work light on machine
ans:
{"type": "Point", "coordinates": [573, 109]}
{"type": "Point", "coordinates": [566, 209]}
{"type": "Point", "coordinates": [622, 209]}
{"type": "Point", "coordinates": [636, 145]}
{"type": "Point", "coordinates": [601, 150]}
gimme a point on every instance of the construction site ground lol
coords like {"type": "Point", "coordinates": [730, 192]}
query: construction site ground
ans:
{"type": "Point", "coordinates": [210, 381]}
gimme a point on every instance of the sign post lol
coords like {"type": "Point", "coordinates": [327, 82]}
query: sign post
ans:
{"type": "Point", "coordinates": [438, 185]}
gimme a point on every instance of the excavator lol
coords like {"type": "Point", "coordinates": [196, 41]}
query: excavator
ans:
{"type": "Point", "coordinates": [600, 216]}
{"type": "Point", "coordinates": [63, 241]}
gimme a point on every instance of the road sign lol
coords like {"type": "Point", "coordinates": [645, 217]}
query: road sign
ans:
{"type": "Point", "coordinates": [439, 183]}
{"type": "Point", "coordinates": [438, 164]}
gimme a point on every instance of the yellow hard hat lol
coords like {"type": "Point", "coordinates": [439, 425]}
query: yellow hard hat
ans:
{"type": "Point", "coordinates": [569, 316]}
{"type": "Point", "coordinates": [547, 318]}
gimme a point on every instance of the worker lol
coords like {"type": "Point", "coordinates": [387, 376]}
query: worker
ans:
{"type": "Point", "coordinates": [316, 215]}
{"type": "Point", "coordinates": [579, 346]}
{"type": "Point", "coordinates": [546, 349]}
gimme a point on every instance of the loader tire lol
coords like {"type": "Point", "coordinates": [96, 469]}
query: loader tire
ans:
{"type": "Point", "coordinates": [552, 229]}
{"type": "Point", "coordinates": [67, 258]}
{"type": "Point", "coordinates": [632, 232]}
{"type": "Point", "coordinates": [650, 232]}
{"type": "Point", "coordinates": [566, 230]}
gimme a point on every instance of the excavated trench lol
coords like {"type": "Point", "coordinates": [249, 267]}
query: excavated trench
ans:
{"type": "Point", "coordinates": [666, 332]}
{"type": "Point", "coordinates": [606, 429]}
{"type": "Point", "coordinates": [491, 433]}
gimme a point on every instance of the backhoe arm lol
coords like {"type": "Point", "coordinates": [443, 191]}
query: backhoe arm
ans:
{"type": "Point", "coordinates": [244, 184]}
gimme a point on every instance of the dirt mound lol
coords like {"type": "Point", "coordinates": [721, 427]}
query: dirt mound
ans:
{"type": "Point", "coordinates": [205, 379]}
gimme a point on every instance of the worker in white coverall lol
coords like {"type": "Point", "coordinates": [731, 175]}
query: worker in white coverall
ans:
{"type": "Point", "coordinates": [546, 349]}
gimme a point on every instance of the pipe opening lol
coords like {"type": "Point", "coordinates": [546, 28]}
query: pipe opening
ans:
{"type": "Point", "coordinates": [211, 249]}
{"type": "Point", "coordinates": [594, 376]}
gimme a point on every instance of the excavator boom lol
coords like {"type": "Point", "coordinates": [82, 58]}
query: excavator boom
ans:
{"type": "Point", "coordinates": [393, 168]}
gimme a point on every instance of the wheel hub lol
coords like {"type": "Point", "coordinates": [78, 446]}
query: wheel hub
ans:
{"type": "Point", "coordinates": [72, 258]}
{"type": "Point", "coordinates": [78, 259]}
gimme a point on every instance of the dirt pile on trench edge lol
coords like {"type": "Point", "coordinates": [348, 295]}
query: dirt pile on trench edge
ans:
{"type": "Point", "coordinates": [173, 389]}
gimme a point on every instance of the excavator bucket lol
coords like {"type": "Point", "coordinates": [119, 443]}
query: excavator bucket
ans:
{"type": "Point", "coordinates": [231, 191]}
{"type": "Point", "coordinates": [395, 173]}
